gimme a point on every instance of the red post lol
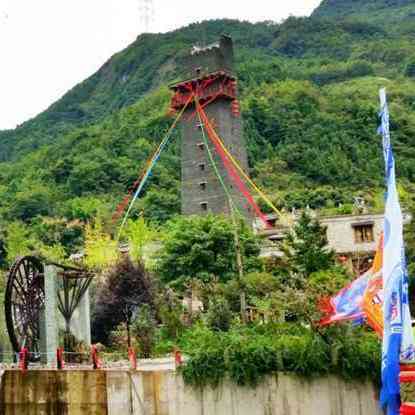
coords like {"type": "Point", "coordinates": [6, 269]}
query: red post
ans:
{"type": "Point", "coordinates": [95, 359]}
{"type": "Point", "coordinates": [23, 359]}
{"type": "Point", "coordinates": [132, 357]}
{"type": "Point", "coordinates": [178, 357]}
{"type": "Point", "coordinates": [59, 358]}
{"type": "Point", "coordinates": [407, 409]}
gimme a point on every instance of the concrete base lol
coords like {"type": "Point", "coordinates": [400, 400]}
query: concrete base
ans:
{"type": "Point", "coordinates": [122, 392]}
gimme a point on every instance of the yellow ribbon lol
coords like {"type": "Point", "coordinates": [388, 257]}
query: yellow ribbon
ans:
{"type": "Point", "coordinates": [245, 176]}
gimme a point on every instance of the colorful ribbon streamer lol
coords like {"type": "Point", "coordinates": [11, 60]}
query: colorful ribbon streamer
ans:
{"type": "Point", "coordinates": [229, 167]}
{"type": "Point", "coordinates": [240, 169]}
{"type": "Point", "coordinates": [152, 162]}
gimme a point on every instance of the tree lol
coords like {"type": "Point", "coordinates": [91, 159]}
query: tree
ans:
{"type": "Point", "coordinates": [126, 288]}
{"type": "Point", "coordinates": [308, 274]}
{"type": "Point", "coordinates": [410, 69]}
{"type": "Point", "coordinates": [34, 199]}
{"type": "Point", "coordinates": [138, 235]}
{"type": "Point", "coordinates": [144, 329]}
{"type": "Point", "coordinates": [199, 247]}
{"type": "Point", "coordinates": [101, 251]}
{"type": "Point", "coordinates": [305, 248]}
{"type": "Point", "coordinates": [219, 315]}
{"type": "Point", "coordinates": [18, 241]}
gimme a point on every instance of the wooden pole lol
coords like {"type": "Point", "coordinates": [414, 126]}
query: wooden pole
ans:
{"type": "Point", "coordinates": [239, 264]}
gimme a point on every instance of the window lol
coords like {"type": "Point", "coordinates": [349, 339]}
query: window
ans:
{"type": "Point", "coordinates": [202, 186]}
{"type": "Point", "coordinates": [272, 222]}
{"type": "Point", "coordinates": [363, 233]}
{"type": "Point", "coordinates": [202, 167]}
{"type": "Point", "coordinates": [204, 206]}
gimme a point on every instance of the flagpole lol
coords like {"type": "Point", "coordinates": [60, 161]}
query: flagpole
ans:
{"type": "Point", "coordinates": [398, 342]}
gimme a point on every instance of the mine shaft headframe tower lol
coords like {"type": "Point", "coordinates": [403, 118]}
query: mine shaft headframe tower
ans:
{"type": "Point", "coordinates": [209, 70]}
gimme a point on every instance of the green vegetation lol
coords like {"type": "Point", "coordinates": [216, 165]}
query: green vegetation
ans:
{"type": "Point", "coordinates": [203, 248]}
{"type": "Point", "coordinates": [373, 10]}
{"type": "Point", "coordinates": [281, 336]}
{"type": "Point", "coordinates": [247, 354]}
{"type": "Point", "coordinates": [309, 98]}
{"type": "Point", "coordinates": [305, 248]}
{"type": "Point", "coordinates": [287, 337]}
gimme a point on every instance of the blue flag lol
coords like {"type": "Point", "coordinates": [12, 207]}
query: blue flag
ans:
{"type": "Point", "coordinates": [398, 340]}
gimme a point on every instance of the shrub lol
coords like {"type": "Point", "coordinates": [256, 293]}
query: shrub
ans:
{"type": "Point", "coordinates": [410, 69]}
{"type": "Point", "coordinates": [207, 363]}
{"type": "Point", "coordinates": [219, 315]}
{"type": "Point", "coordinates": [144, 329]}
{"type": "Point", "coordinates": [249, 360]}
{"type": "Point", "coordinates": [247, 354]}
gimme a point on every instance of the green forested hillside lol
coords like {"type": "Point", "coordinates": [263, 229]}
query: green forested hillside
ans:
{"type": "Point", "coordinates": [378, 10]}
{"type": "Point", "coordinates": [150, 62]}
{"type": "Point", "coordinates": [309, 96]}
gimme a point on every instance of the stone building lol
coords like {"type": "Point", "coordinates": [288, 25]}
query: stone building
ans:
{"type": "Point", "coordinates": [354, 238]}
{"type": "Point", "coordinates": [208, 72]}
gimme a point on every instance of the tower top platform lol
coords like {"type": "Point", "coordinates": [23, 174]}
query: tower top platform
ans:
{"type": "Point", "coordinates": [202, 61]}
{"type": "Point", "coordinates": [208, 88]}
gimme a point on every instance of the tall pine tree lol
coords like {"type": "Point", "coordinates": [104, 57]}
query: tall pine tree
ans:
{"type": "Point", "coordinates": [306, 248]}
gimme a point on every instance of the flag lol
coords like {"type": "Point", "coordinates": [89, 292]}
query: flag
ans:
{"type": "Point", "coordinates": [355, 301]}
{"type": "Point", "coordinates": [347, 304]}
{"type": "Point", "coordinates": [373, 298]}
{"type": "Point", "coordinates": [397, 332]}
{"type": "Point", "coordinates": [373, 304]}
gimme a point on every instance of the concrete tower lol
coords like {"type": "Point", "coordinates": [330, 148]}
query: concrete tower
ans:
{"type": "Point", "coordinates": [209, 70]}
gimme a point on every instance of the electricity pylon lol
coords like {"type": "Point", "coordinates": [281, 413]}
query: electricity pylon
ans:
{"type": "Point", "coordinates": [146, 14]}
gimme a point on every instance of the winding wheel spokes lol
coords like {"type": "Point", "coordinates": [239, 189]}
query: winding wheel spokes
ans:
{"type": "Point", "coordinates": [24, 303]}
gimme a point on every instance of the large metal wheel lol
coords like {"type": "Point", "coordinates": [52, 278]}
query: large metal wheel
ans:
{"type": "Point", "coordinates": [24, 303]}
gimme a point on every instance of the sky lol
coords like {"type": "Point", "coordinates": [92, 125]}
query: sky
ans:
{"type": "Point", "coordinates": [49, 46]}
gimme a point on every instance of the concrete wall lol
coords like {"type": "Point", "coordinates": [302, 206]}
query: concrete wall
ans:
{"type": "Point", "coordinates": [51, 392]}
{"type": "Point", "coordinates": [116, 392]}
{"type": "Point", "coordinates": [193, 156]}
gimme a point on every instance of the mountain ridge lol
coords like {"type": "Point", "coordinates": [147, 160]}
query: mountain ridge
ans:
{"type": "Point", "coordinates": [376, 10]}
{"type": "Point", "coordinates": [125, 78]}
{"type": "Point", "coordinates": [152, 60]}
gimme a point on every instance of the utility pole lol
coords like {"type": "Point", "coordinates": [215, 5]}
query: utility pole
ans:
{"type": "Point", "coordinates": [239, 264]}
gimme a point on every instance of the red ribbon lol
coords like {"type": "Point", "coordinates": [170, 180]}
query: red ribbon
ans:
{"type": "Point", "coordinates": [231, 169]}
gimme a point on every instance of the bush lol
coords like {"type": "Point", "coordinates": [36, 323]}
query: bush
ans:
{"type": "Point", "coordinates": [207, 363]}
{"type": "Point", "coordinates": [251, 355]}
{"type": "Point", "coordinates": [219, 315]}
{"type": "Point", "coordinates": [410, 69]}
{"type": "Point", "coordinates": [247, 354]}
{"type": "Point", "coordinates": [144, 329]}
{"type": "Point", "coordinates": [359, 354]}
